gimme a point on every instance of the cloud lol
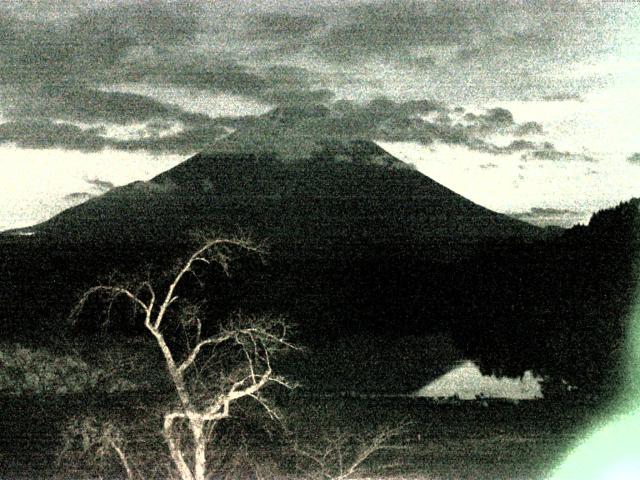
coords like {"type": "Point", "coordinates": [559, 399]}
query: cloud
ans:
{"type": "Point", "coordinates": [89, 105]}
{"type": "Point", "coordinates": [76, 118]}
{"type": "Point", "coordinates": [299, 96]}
{"type": "Point", "coordinates": [57, 71]}
{"type": "Point", "coordinates": [187, 142]}
{"type": "Point", "coordinates": [301, 115]}
{"type": "Point", "coordinates": [422, 62]}
{"type": "Point", "coordinates": [529, 128]}
{"type": "Point", "coordinates": [103, 185]}
{"type": "Point", "coordinates": [551, 211]}
{"type": "Point", "coordinates": [222, 47]}
{"type": "Point", "coordinates": [281, 26]}
{"type": "Point", "coordinates": [518, 146]}
{"type": "Point", "coordinates": [394, 26]}
{"type": "Point", "coordinates": [634, 158]}
{"type": "Point", "coordinates": [473, 31]}
{"type": "Point", "coordinates": [563, 97]}
{"type": "Point", "coordinates": [274, 84]}
{"type": "Point", "coordinates": [468, 54]}
{"type": "Point", "coordinates": [382, 119]}
{"type": "Point", "coordinates": [490, 121]}
{"type": "Point", "coordinates": [61, 60]}
{"type": "Point", "coordinates": [51, 69]}
{"type": "Point", "coordinates": [513, 147]}
{"type": "Point", "coordinates": [83, 47]}
{"type": "Point", "coordinates": [201, 71]}
{"type": "Point", "coordinates": [548, 152]}
{"type": "Point", "coordinates": [78, 197]}
{"type": "Point", "coordinates": [543, 216]}
{"type": "Point", "coordinates": [290, 130]}
{"type": "Point", "coordinates": [47, 134]}
{"type": "Point", "coordinates": [43, 134]}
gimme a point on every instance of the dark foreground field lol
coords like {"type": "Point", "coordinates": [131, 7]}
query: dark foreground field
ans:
{"type": "Point", "coordinates": [452, 441]}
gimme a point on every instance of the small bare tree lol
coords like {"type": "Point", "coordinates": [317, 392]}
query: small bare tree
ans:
{"type": "Point", "coordinates": [203, 399]}
{"type": "Point", "coordinates": [341, 455]}
{"type": "Point", "coordinates": [96, 441]}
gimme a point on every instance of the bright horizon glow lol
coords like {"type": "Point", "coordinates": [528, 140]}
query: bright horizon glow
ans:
{"type": "Point", "coordinates": [507, 184]}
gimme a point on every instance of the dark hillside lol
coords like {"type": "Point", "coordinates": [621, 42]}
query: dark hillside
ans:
{"type": "Point", "coordinates": [562, 309]}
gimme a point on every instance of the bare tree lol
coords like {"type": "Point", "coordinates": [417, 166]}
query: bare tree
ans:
{"type": "Point", "coordinates": [203, 399]}
{"type": "Point", "coordinates": [98, 440]}
{"type": "Point", "coordinates": [340, 455]}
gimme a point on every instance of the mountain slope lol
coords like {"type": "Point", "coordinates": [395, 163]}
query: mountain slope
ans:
{"type": "Point", "coordinates": [343, 193]}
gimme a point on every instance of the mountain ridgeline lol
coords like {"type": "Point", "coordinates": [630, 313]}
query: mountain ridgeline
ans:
{"type": "Point", "coordinates": [341, 195]}
{"type": "Point", "coordinates": [389, 276]}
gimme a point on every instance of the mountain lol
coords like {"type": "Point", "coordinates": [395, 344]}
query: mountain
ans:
{"type": "Point", "coordinates": [382, 269]}
{"type": "Point", "coordinates": [340, 194]}
{"type": "Point", "coordinates": [354, 236]}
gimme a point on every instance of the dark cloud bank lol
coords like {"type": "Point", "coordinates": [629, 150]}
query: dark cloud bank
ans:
{"type": "Point", "coordinates": [424, 122]}
{"type": "Point", "coordinates": [57, 73]}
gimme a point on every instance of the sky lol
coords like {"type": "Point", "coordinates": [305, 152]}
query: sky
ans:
{"type": "Point", "coordinates": [528, 108]}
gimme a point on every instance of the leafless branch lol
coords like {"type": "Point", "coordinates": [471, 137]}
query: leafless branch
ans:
{"type": "Point", "coordinates": [256, 338]}
{"type": "Point", "coordinates": [341, 456]}
{"type": "Point", "coordinates": [193, 354]}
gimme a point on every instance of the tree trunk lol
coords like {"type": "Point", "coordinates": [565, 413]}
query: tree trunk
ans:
{"type": "Point", "coordinates": [200, 447]}
{"type": "Point", "coordinates": [174, 449]}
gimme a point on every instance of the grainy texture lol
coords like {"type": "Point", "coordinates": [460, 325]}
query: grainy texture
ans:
{"type": "Point", "coordinates": [436, 182]}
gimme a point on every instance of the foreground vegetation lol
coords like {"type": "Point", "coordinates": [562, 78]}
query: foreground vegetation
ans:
{"type": "Point", "coordinates": [464, 440]}
{"type": "Point", "coordinates": [28, 370]}
{"type": "Point", "coordinates": [217, 409]}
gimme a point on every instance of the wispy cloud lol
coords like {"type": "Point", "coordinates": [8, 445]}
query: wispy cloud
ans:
{"type": "Point", "coordinates": [543, 216]}
{"type": "Point", "coordinates": [78, 197]}
{"type": "Point", "coordinates": [102, 185]}
{"type": "Point", "coordinates": [634, 158]}
{"type": "Point", "coordinates": [563, 97]}
{"type": "Point", "coordinates": [549, 152]}
{"type": "Point", "coordinates": [283, 26]}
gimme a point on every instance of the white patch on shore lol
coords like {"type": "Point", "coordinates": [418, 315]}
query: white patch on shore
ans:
{"type": "Point", "coordinates": [467, 382]}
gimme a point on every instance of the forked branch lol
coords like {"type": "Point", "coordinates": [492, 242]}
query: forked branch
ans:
{"type": "Point", "coordinates": [256, 338]}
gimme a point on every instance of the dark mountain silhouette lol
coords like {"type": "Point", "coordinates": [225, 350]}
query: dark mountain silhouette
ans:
{"type": "Point", "coordinates": [338, 195]}
{"type": "Point", "coordinates": [383, 269]}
